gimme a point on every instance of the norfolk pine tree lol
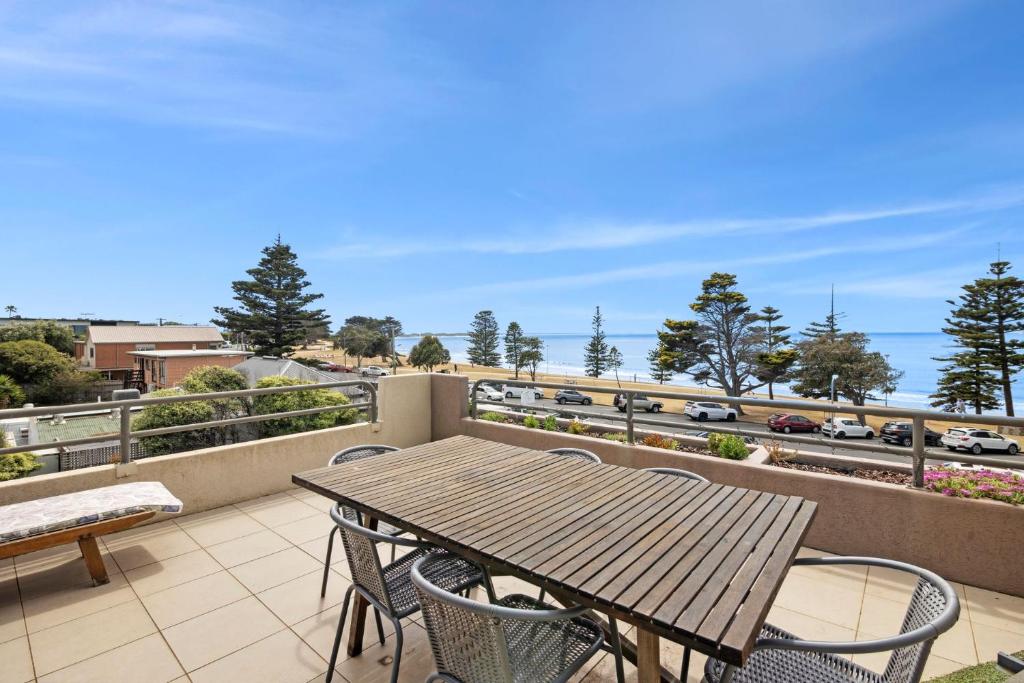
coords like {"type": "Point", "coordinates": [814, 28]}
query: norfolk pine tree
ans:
{"type": "Point", "coordinates": [483, 341]}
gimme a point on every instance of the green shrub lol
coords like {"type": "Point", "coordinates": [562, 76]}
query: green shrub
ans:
{"type": "Point", "coordinates": [15, 465]}
{"type": "Point", "coordinates": [551, 423]}
{"type": "Point", "coordinates": [714, 440]}
{"type": "Point", "coordinates": [531, 422]}
{"type": "Point", "coordinates": [732, 447]}
{"type": "Point", "coordinates": [659, 441]}
{"type": "Point", "coordinates": [492, 416]}
{"type": "Point", "coordinates": [170, 415]}
{"type": "Point", "coordinates": [298, 400]}
{"type": "Point", "coordinates": [577, 427]}
{"type": "Point", "coordinates": [615, 436]}
{"type": "Point", "coordinates": [11, 395]}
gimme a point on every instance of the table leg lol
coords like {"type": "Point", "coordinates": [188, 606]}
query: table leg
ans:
{"type": "Point", "coordinates": [648, 657]}
{"type": "Point", "coordinates": [359, 606]}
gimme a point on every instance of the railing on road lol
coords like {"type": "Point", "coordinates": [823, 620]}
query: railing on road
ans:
{"type": "Point", "coordinates": [915, 416]}
{"type": "Point", "coordinates": [125, 434]}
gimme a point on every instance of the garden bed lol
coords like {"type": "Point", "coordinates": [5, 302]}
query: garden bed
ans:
{"type": "Point", "coordinates": [883, 475]}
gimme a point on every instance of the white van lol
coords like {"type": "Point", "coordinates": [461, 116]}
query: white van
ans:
{"type": "Point", "coordinates": [517, 392]}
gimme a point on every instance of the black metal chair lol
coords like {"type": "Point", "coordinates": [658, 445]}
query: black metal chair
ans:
{"type": "Point", "coordinates": [350, 455]}
{"type": "Point", "coordinates": [577, 453]}
{"type": "Point", "coordinates": [516, 638]}
{"type": "Point", "coordinates": [781, 656]}
{"type": "Point", "coordinates": [389, 589]}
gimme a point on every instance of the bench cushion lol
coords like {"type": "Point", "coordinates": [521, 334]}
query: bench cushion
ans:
{"type": "Point", "coordinates": [56, 513]}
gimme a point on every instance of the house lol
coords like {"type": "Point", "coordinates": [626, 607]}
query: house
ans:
{"type": "Point", "coordinates": [258, 367]}
{"type": "Point", "coordinates": [162, 369]}
{"type": "Point", "coordinates": [106, 348]}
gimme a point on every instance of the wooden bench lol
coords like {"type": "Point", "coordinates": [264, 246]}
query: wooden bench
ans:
{"type": "Point", "coordinates": [81, 517]}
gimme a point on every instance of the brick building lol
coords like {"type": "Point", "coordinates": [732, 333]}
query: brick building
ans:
{"type": "Point", "coordinates": [105, 349]}
{"type": "Point", "coordinates": [163, 369]}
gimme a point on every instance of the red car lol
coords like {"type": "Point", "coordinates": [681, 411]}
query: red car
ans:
{"type": "Point", "coordinates": [784, 422]}
{"type": "Point", "coordinates": [334, 367]}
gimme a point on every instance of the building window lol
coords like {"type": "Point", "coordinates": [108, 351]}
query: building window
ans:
{"type": "Point", "coordinates": [145, 347]}
{"type": "Point", "coordinates": [92, 352]}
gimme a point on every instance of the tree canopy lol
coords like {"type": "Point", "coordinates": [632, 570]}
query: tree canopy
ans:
{"type": "Point", "coordinates": [11, 395]}
{"type": "Point", "coordinates": [595, 353]}
{"type": "Point", "coordinates": [532, 355]}
{"type": "Point", "coordinates": [776, 357]}
{"type": "Point", "coordinates": [46, 331]}
{"type": "Point", "coordinates": [483, 340]}
{"type": "Point", "coordinates": [428, 353]}
{"type": "Point", "coordinates": [659, 371]}
{"type": "Point", "coordinates": [514, 347]}
{"type": "Point", "coordinates": [368, 337]}
{"type": "Point", "coordinates": [274, 313]}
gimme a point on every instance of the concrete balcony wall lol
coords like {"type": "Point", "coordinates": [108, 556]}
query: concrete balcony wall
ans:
{"type": "Point", "coordinates": [213, 477]}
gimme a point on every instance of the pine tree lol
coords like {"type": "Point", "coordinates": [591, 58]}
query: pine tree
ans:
{"type": "Point", "coordinates": [514, 346]}
{"type": "Point", "coordinates": [776, 359]}
{"type": "Point", "coordinates": [828, 328]}
{"type": "Point", "coordinates": [274, 313]}
{"type": "Point", "coordinates": [659, 371]}
{"type": "Point", "coordinates": [483, 341]}
{"type": "Point", "coordinates": [595, 354]}
{"type": "Point", "coordinates": [1005, 294]}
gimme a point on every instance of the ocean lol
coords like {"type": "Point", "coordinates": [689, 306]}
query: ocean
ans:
{"type": "Point", "coordinates": [911, 352]}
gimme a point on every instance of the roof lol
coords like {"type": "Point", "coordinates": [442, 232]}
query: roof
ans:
{"type": "Point", "coordinates": [258, 367]}
{"type": "Point", "coordinates": [189, 353]}
{"type": "Point", "coordinates": [132, 334]}
{"type": "Point", "coordinates": [75, 428]}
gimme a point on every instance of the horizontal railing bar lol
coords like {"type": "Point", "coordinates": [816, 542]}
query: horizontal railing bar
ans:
{"type": "Point", "coordinates": [112, 436]}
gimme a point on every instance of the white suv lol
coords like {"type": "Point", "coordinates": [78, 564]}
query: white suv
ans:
{"type": "Point", "coordinates": [488, 393]}
{"type": "Point", "coordinates": [373, 371]}
{"type": "Point", "coordinates": [843, 427]}
{"type": "Point", "coordinates": [703, 410]}
{"type": "Point", "coordinates": [517, 392]}
{"type": "Point", "coordinates": [976, 440]}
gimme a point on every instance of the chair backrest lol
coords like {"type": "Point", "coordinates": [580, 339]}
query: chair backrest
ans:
{"type": "Point", "coordinates": [930, 605]}
{"type": "Point", "coordinates": [470, 640]}
{"type": "Point", "coordinates": [361, 553]}
{"type": "Point", "coordinates": [577, 453]}
{"type": "Point", "coordinates": [685, 474]}
{"type": "Point", "coordinates": [359, 452]}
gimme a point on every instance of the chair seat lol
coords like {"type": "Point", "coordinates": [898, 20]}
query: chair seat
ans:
{"type": "Point", "coordinates": [770, 665]}
{"type": "Point", "coordinates": [454, 574]}
{"type": "Point", "coordinates": [546, 650]}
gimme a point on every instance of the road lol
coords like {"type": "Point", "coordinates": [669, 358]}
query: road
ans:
{"type": "Point", "coordinates": [690, 427]}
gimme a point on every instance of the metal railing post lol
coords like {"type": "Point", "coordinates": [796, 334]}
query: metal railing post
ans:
{"type": "Point", "coordinates": [629, 417]}
{"type": "Point", "coordinates": [917, 437]}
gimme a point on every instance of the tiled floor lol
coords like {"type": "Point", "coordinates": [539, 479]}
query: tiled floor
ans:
{"type": "Point", "coordinates": [233, 595]}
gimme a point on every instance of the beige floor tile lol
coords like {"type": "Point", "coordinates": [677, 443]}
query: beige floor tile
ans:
{"type": "Point", "coordinates": [958, 644]}
{"type": "Point", "coordinates": [317, 549]}
{"type": "Point", "coordinates": [124, 665]}
{"type": "Point", "coordinates": [141, 546]}
{"type": "Point", "coordinates": [315, 499]}
{"type": "Point", "coordinates": [273, 570]}
{"type": "Point", "coordinates": [209, 637]}
{"type": "Point", "coordinates": [248, 548]}
{"type": "Point", "coordinates": [318, 631]}
{"type": "Point", "coordinates": [939, 666]}
{"type": "Point", "coordinates": [807, 627]}
{"type": "Point", "coordinates": [281, 658]}
{"type": "Point", "coordinates": [374, 664]}
{"type": "Point", "coordinates": [183, 602]}
{"type": "Point", "coordinates": [822, 600]}
{"type": "Point", "coordinates": [1004, 612]}
{"type": "Point", "coordinates": [16, 661]}
{"type": "Point", "coordinates": [12, 619]}
{"type": "Point", "coordinates": [159, 576]}
{"type": "Point", "coordinates": [75, 641]}
{"type": "Point", "coordinates": [850, 577]}
{"type": "Point", "coordinates": [990, 640]}
{"type": "Point", "coordinates": [882, 616]}
{"type": "Point", "coordinates": [48, 603]}
{"type": "Point", "coordinates": [279, 509]}
{"type": "Point", "coordinates": [219, 525]}
{"type": "Point", "coordinates": [59, 573]}
{"type": "Point", "coordinates": [306, 529]}
{"type": "Point", "coordinates": [44, 558]}
{"type": "Point", "coordinates": [896, 585]}
{"type": "Point", "coordinates": [300, 598]}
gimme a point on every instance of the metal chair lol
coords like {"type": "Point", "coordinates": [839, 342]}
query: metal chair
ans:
{"type": "Point", "coordinates": [516, 638]}
{"type": "Point", "coordinates": [577, 453]}
{"type": "Point", "coordinates": [781, 656]}
{"type": "Point", "coordinates": [350, 455]}
{"type": "Point", "coordinates": [389, 589]}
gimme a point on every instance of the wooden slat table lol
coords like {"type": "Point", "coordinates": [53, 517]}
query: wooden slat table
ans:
{"type": "Point", "coordinates": [696, 563]}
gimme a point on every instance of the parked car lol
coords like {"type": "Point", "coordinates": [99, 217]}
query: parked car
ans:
{"type": "Point", "coordinates": [640, 402]}
{"type": "Point", "coordinates": [517, 392]}
{"type": "Point", "coordinates": [563, 396]}
{"type": "Point", "coordinates": [976, 440]}
{"type": "Point", "coordinates": [787, 422]}
{"type": "Point", "coordinates": [844, 427]}
{"type": "Point", "coordinates": [488, 393]}
{"type": "Point", "coordinates": [705, 410]}
{"type": "Point", "coordinates": [902, 434]}
{"type": "Point", "coordinates": [334, 367]}
{"type": "Point", "coordinates": [373, 371]}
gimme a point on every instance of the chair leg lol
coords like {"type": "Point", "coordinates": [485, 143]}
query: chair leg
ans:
{"type": "Point", "coordinates": [398, 650]}
{"type": "Point", "coordinates": [380, 626]}
{"type": "Point", "coordinates": [620, 671]}
{"type": "Point", "coordinates": [327, 562]}
{"type": "Point", "coordinates": [685, 671]}
{"type": "Point", "coordinates": [337, 636]}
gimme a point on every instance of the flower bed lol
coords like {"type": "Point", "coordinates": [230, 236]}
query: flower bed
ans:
{"type": "Point", "coordinates": [1002, 486]}
{"type": "Point", "coordinates": [883, 475]}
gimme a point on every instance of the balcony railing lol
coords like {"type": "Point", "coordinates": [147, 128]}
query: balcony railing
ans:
{"type": "Point", "coordinates": [916, 417]}
{"type": "Point", "coordinates": [125, 433]}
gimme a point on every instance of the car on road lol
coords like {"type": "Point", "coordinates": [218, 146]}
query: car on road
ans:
{"type": "Point", "coordinates": [488, 392]}
{"type": "Point", "coordinates": [563, 396]}
{"type": "Point", "coordinates": [976, 440]}
{"type": "Point", "coordinates": [640, 402]}
{"type": "Point", "coordinates": [705, 410]}
{"type": "Point", "coordinates": [334, 367]}
{"type": "Point", "coordinates": [787, 422]}
{"type": "Point", "coordinates": [373, 371]}
{"type": "Point", "coordinates": [845, 428]}
{"type": "Point", "coordinates": [902, 434]}
{"type": "Point", "coordinates": [517, 392]}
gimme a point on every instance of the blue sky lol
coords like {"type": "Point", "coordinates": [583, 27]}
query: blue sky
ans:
{"type": "Point", "coordinates": [429, 160]}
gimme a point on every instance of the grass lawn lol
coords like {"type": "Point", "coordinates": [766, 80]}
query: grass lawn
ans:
{"type": "Point", "coordinates": [981, 673]}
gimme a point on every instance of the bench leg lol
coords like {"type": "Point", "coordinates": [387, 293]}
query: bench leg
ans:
{"type": "Point", "coordinates": [93, 560]}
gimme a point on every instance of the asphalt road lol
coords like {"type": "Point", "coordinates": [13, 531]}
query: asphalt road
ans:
{"type": "Point", "coordinates": [688, 426]}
